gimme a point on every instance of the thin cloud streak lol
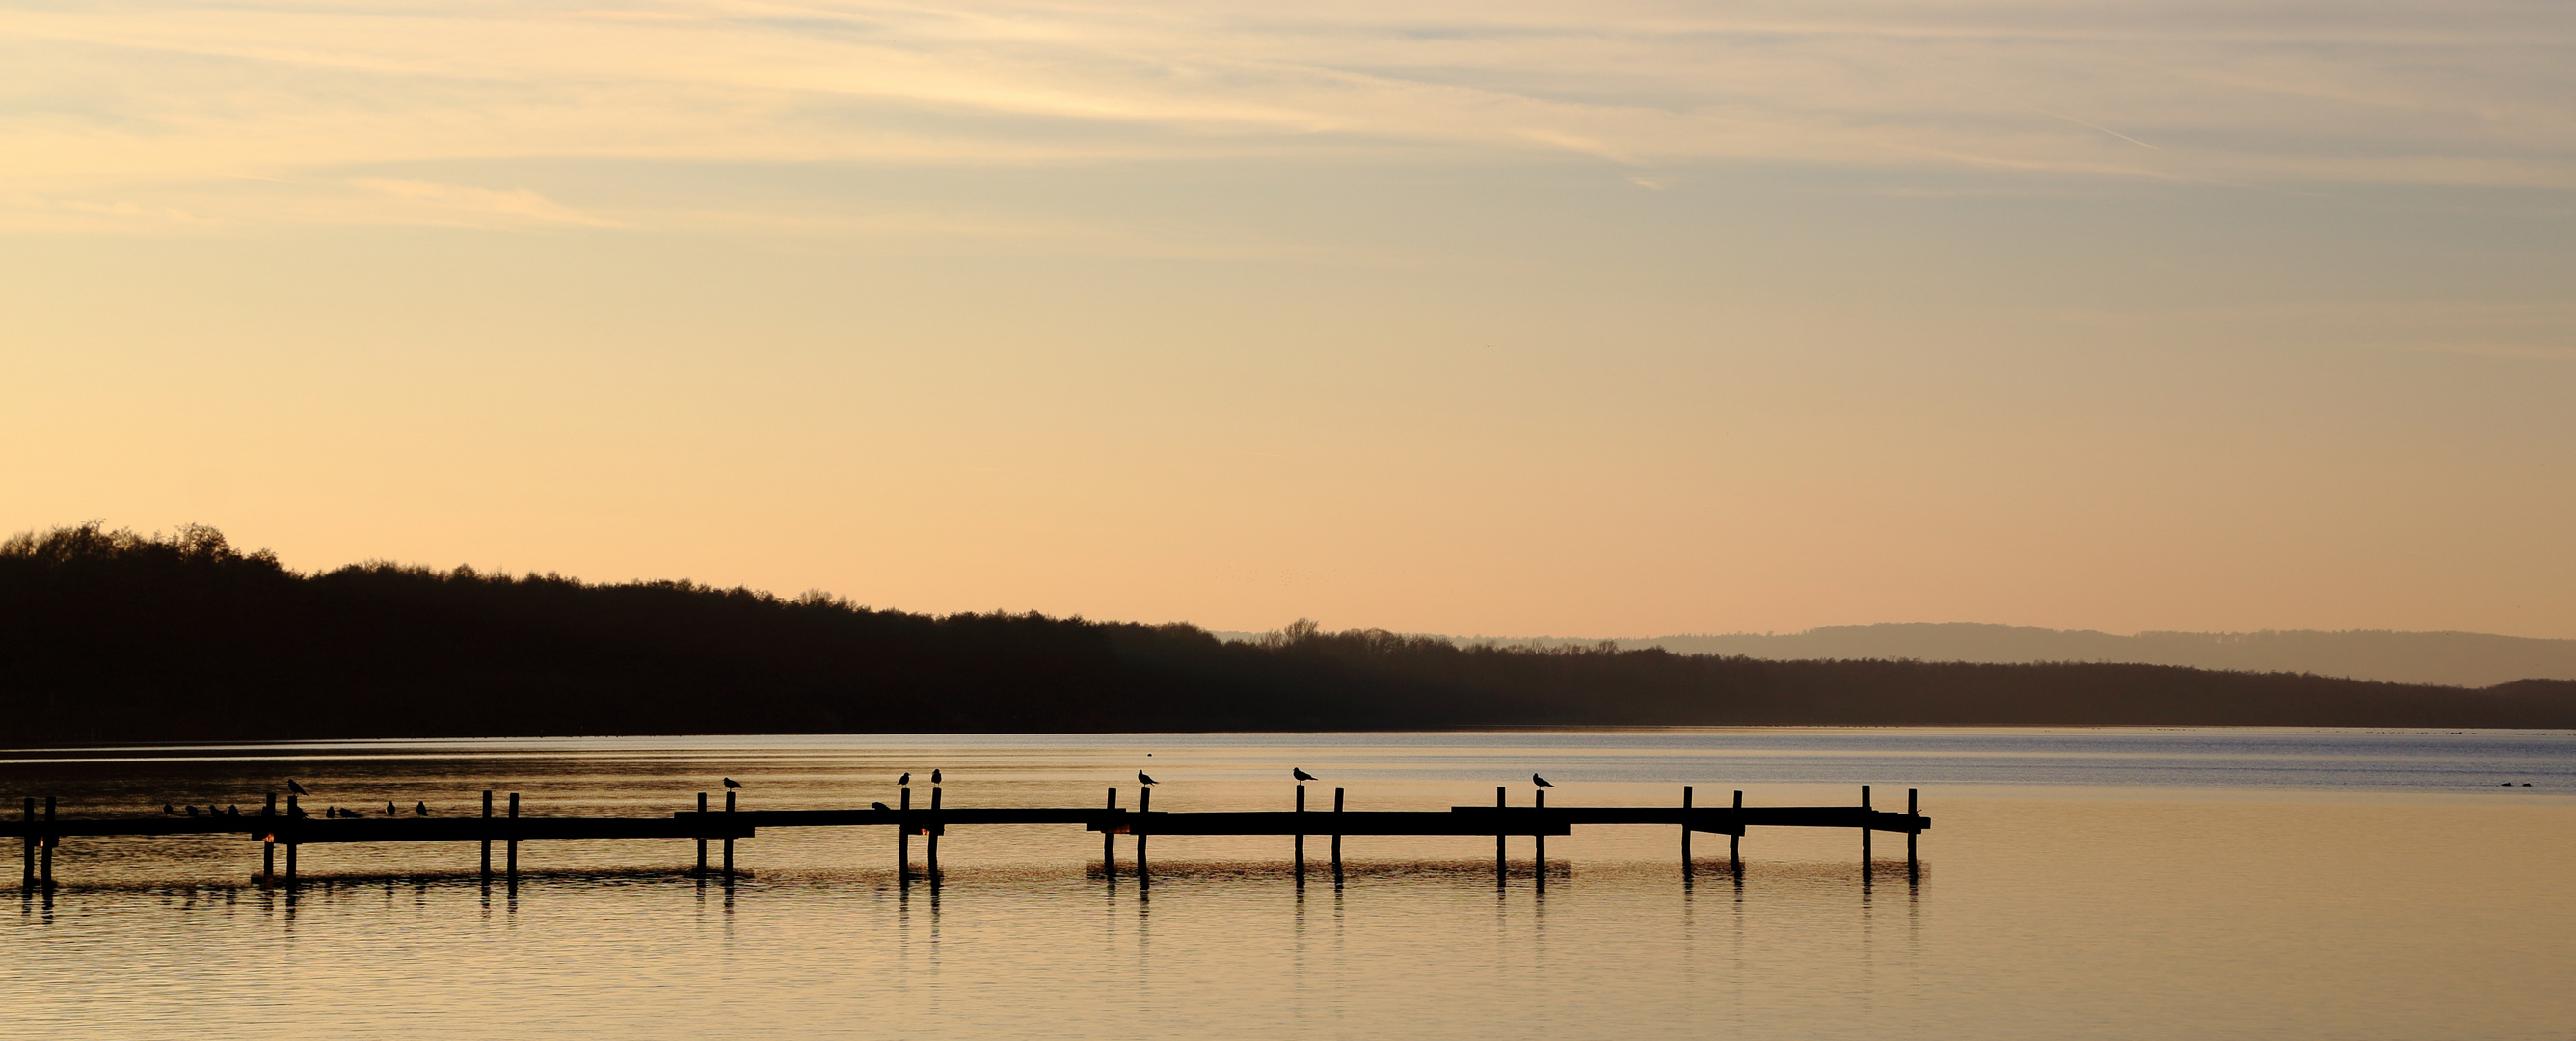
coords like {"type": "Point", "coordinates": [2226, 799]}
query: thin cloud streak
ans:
{"type": "Point", "coordinates": [159, 94]}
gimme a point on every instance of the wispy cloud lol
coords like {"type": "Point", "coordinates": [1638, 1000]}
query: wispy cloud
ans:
{"type": "Point", "coordinates": [158, 93]}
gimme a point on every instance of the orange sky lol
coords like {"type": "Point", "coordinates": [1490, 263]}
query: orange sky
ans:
{"type": "Point", "coordinates": [1503, 319]}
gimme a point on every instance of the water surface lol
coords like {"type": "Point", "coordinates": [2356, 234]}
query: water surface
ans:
{"type": "Point", "coordinates": [2089, 883]}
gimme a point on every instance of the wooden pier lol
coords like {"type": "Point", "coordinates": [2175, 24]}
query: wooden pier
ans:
{"type": "Point", "coordinates": [288, 827]}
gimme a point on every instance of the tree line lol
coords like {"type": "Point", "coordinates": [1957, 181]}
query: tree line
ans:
{"type": "Point", "coordinates": [113, 636]}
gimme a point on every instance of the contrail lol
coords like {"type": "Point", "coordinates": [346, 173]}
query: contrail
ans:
{"type": "Point", "coordinates": [2081, 123]}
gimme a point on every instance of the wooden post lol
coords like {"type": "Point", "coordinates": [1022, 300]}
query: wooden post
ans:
{"type": "Point", "coordinates": [903, 838]}
{"type": "Point", "coordinates": [1337, 838]}
{"type": "Point", "coordinates": [1498, 840]}
{"type": "Point", "coordinates": [728, 839]}
{"type": "Point", "coordinates": [1864, 833]}
{"type": "Point", "coordinates": [1911, 810]}
{"type": "Point", "coordinates": [702, 836]}
{"type": "Point", "coordinates": [1539, 840]}
{"type": "Point", "coordinates": [1144, 805]}
{"type": "Point", "coordinates": [514, 840]}
{"type": "Point", "coordinates": [1686, 853]}
{"type": "Point", "coordinates": [1301, 835]}
{"type": "Point", "coordinates": [290, 842]}
{"type": "Point", "coordinates": [268, 842]}
{"type": "Point", "coordinates": [487, 833]}
{"type": "Point", "coordinates": [1109, 843]}
{"type": "Point", "coordinates": [1735, 841]}
{"type": "Point", "coordinates": [45, 861]}
{"type": "Point", "coordinates": [27, 877]}
{"type": "Point", "coordinates": [933, 841]}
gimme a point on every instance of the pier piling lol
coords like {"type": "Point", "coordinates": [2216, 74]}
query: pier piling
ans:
{"type": "Point", "coordinates": [1735, 842]}
{"type": "Point", "coordinates": [514, 839]}
{"type": "Point", "coordinates": [1499, 850]}
{"type": "Point", "coordinates": [27, 875]}
{"type": "Point", "coordinates": [1864, 837]}
{"type": "Point", "coordinates": [1539, 842]}
{"type": "Point", "coordinates": [487, 833]}
{"type": "Point", "coordinates": [1301, 837]}
{"type": "Point", "coordinates": [291, 822]}
{"type": "Point", "coordinates": [702, 841]}
{"type": "Point", "coordinates": [1109, 845]}
{"type": "Point", "coordinates": [1337, 836]}
{"type": "Point", "coordinates": [1911, 810]}
{"type": "Point", "coordinates": [728, 841]}
{"type": "Point", "coordinates": [1144, 805]}
{"type": "Point", "coordinates": [933, 832]}
{"type": "Point", "coordinates": [268, 842]}
{"type": "Point", "coordinates": [1686, 832]}
{"type": "Point", "coordinates": [902, 837]}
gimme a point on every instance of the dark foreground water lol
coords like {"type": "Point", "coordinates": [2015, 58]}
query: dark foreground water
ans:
{"type": "Point", "coordinates": [2077, 884]}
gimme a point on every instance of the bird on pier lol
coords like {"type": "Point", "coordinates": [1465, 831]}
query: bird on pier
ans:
{"type": "Point", "coordinates": [879, 806]}
{"type": "Point", "coordinates": [1142, 779]}
{"type": "Point", "coordinates": [192, 809]}
{"type": "Point", "coordinates": [296, 811]}
{"type": "Point", "coordinates": [1300, 774]}
{"type": "Point", "coordinates": [934, 777]}
{"type": "Point", "coordinates": [169, 810]}
{"type": "Point", "coordinates": [903, 780]}
{"type": "Point", "coordinates": [389, 808]}
{"type": "Point", "coordinates": [296, 788]}
{"type": "Point", "coordinates": [330, 813]}
{"type": "Point", "coordinates": [1540, 781]}
{"type": "Point", "coordinates": [420, 809]}
{"type": "Point", "coordinates": [731, 783]}
{"type": "Point", "coordinates": [231, 811]}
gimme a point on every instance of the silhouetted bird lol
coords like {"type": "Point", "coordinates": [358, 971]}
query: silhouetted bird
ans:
{"type": "Point", "coordinates": [192, 809]}
{"type": "Point", "coordinates": [879, 806]}
{"type": "Point", "coordinates": [420, 809]}
{"type": "Point", "coordinates": [731, 783]}
{"type": "Point", "coordinates": [296, 811]}
{"type": "Point", "coordinates": [1142, 779]}
{"type": "Point", "coordinates": [1540, 781]}
{"type": "Point", "coordinates": [903, 780]}
{"type": "Point", "coordinates": [330, 813]}
{"type": "Point", "coordinates": [934, 777]}
{"type": "Point", "coordinates": [389, 808]}
{"type": "Point", "coordinates": [174, 811]}
{"type": "Point", "coordinates": [1300, 774]}
{"type": "Point", "coordinates": [296, 788]}
{"type": "Point", "coordinates": [232, 811]}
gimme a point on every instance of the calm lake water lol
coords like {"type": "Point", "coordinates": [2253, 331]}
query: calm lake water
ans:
{"type": "Point", "coordinates": [2076, 884]}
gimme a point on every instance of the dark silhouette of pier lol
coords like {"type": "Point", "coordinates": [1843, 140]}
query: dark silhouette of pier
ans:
{"type": "Point", "coordinates": [275, 828]}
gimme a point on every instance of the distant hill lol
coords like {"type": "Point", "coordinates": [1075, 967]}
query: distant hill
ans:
{"type": "Point", "coordinates": [111, 637]}
{"type": "Point", "coordinates": [2449, 658]}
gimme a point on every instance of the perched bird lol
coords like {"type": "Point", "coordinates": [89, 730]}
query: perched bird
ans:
{"type": "Point", "coordinates": [879, 806]}
{"type": "Point", "coordinates": [296, 811]}
{"type": "Point", "coordinates": [330, 813]}
{"type": "Point", "coordinates": [232, 811]}
{"type": "Point", "coordinates": [420, 809]}
{"type": "Point", "coordinates": [1300, 774]}
{"type": "Point", "coordinates": [1540, 781]}
{"type": "Point", "coordinates": [169, 809]}
{"type": "Point", "coordinates": [192, 809]}
{"type": "Point", "coordinates": [731, 783]}
{"type": "Point", "coordinates": [934, 777]}
{"type": "Point", "coordinates": [903, 780]}
{"type": "Point", "coordinates": [1142, 779]}
{"type": "Point", "coordinates": [296, 788]}
{"type": "Point", "coordinates": [389, 808]}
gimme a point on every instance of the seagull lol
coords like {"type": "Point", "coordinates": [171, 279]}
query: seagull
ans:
{"type": "Point", "coordinates": [174, 811]}
{"type": "Point", "coordinates": [1540, 781]}
{"type": "Point", "coordinates": [731, 783]}
{"type": "Point", "coordinates": [420, 809]}
{"type": "Point", "coordinates": [1142, 779]}
{"type": "Point", "coordinates": [879, 806]}
{"type": "Point", "coordinates": [903, 780]}
{"type": "Point", "coordinates": [1300, 774]}
{"type": "Point", "coordinates": [296, 788]}
{"type": "Point", "coordinates": [934, 777]}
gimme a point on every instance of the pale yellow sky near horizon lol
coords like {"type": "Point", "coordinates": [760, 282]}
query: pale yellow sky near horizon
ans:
{"type": "Point", "coordinates": [1507, 318]}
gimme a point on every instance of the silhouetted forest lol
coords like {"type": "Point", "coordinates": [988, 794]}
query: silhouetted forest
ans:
{"type": "Point", "coordinates": [110, 636]}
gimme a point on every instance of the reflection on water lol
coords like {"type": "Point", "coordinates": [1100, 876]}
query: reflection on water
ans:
{"type": "Point", "coordinates": [2076, 884]}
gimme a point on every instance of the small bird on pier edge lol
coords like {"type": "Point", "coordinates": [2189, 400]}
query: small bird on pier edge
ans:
{"type": "Point", "coordinates": [879, 806]}
{"type": "Point", "coordinates": [420, 809]}
{"type": "Point", "coordinates": [934, 777]}
{"type": "Point", "coordinates": [731, 783]}
{"type": "Point", "coordinates": [903, 780]}
{"type": "Point", "coordinates": [1142, 779]}
{"type": "Point", "coordinates": [1300, 774]}
{"type": "Point", "coordinates": [296, 811]}
{"type": "Point", "coordinates": [231, 811]}
{"type": "Point", "coordinates": [1540, 781]}
{"type": "Point", "coordinates": [169, 810]}
{"type": "Point", "coordinates": [390, 811]}
{"type": "Point", "coordinates": [192, 809]}
{"type": "Point", "coordinates": [296, 788]}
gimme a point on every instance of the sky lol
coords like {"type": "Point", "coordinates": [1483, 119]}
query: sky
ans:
{"type": "Point", "coordinates": [1503, 318]}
